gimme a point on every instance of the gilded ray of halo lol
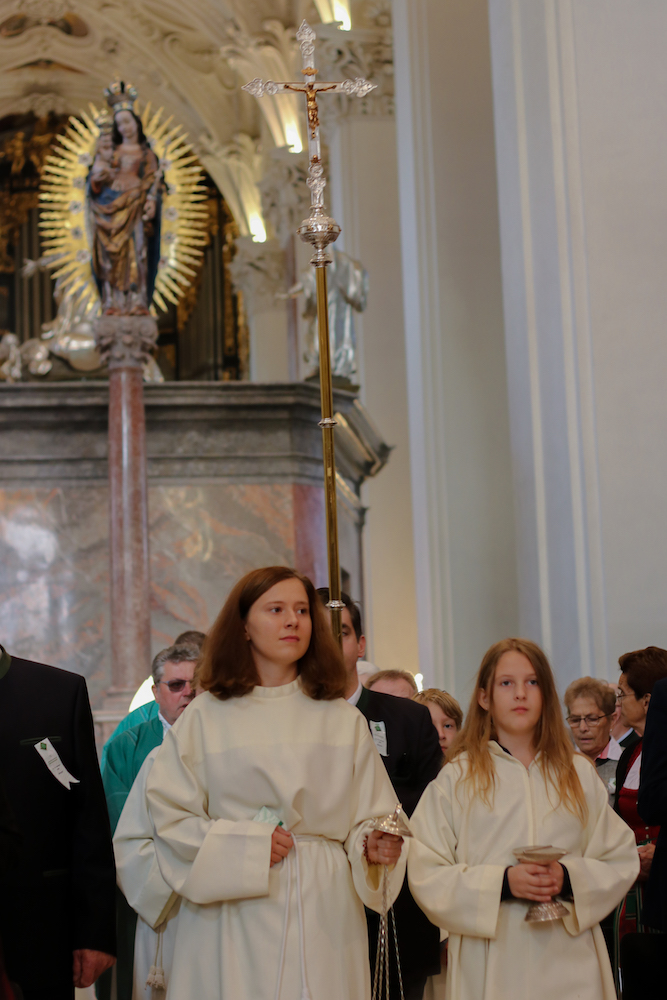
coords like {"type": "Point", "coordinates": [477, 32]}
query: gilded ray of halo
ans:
{"type": "Point", "coordinates": [65, 231]}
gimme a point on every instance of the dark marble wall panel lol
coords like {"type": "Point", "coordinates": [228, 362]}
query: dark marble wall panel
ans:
{"type": "Point", "coordinates": [235, 482]}
{"type": "Point", "coordinates": [54, 601]}
{"type": "Point", "coordinates": [54, 578]}
{"type": "Point", "coordinates": [203, 538]}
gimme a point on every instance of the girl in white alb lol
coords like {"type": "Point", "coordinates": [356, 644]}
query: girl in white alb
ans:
{"type": "Point", "coordinates": [513, 780]}
{"type": "Point", "coordinates": [263, 797]}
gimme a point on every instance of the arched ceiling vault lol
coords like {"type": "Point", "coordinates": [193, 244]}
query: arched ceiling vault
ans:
{"type": "Point", "coordinates": [60, 55]}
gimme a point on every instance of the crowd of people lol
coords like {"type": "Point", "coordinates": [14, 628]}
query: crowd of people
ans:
{"type": "Point", "coordinates": [229, 847]}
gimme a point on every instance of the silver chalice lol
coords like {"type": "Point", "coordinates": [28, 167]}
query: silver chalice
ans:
{"type": "Point", "coordinates": [535, 855]}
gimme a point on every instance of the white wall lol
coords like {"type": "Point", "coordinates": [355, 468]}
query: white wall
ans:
{"type": "Point", "coordinates": [364, 199]}
{"type": "Point", "coordinates": [579, 92]}
{"type": "Point", "coordinates": [459, 435]}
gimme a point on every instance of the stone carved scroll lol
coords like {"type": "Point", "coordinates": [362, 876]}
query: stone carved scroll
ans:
{"type": "Point", "coordinates": [126, 341]}
{"type": "Point", "coordinates": [285, 198]}
{"type": "Point", "coordinates": [362, 52]}
{"type": "Point", "coordinates": [258, 271]}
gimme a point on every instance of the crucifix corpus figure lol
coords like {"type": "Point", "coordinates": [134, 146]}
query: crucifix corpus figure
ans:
{"type": "Point", "coordinates": [320, 230]}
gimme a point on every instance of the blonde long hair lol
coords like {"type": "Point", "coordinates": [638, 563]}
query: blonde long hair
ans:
{"type": "Point", "coordinates": [552, 744]}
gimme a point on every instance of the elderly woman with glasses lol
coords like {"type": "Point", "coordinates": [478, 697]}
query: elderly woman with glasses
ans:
{"type": "Point", "coordinates": [591, 705]}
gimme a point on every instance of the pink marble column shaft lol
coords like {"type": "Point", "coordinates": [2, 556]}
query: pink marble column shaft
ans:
{"type": "Point", "coordinates": [128, 536]}
{"type": "Point", "coordinates": [125, 342]}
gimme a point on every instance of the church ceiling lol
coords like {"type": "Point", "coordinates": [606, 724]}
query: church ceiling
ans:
{"type": "Point", "coordinates": [188, 56]}
{"type": "Point", "coordinates": [65, 52]}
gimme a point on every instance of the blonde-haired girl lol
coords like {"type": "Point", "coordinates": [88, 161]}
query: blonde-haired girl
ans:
{"type": "Point", "coordinates": [512, 780]}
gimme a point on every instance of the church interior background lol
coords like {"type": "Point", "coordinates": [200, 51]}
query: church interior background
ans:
{"type": "Point", "coordinates": [500, 282]}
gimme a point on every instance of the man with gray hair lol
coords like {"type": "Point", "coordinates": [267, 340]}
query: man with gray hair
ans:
{"type": "Point", "coordinates": [173, 671]}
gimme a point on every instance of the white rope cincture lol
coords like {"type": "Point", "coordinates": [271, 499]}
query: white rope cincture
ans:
{"type": "Point", "coordinates": [381, 978]}
{"type": "Point", "coordinates": [156, 979]}
{"type": "Point", "coordinates": [305, 992]}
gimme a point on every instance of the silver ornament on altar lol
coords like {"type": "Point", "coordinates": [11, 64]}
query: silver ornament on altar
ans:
{"type": "Point", "coordinates": [397, 825]}
{"type": "Point", "coordinates": [535, 855]}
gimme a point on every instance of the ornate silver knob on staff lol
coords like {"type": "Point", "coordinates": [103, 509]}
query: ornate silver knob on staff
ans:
{"type": "Point", "coordinates": [396, 825]}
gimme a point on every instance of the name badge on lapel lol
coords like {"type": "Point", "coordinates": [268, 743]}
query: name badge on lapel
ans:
{"type": "Point", "coordinates": [50, 757]}
{"type": "Point", "coordinates": [379, 734]}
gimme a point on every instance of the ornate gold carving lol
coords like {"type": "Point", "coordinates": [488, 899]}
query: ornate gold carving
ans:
{"type": "Point", "coordinates": [18, 151]}
{"type": "Point", "coordinates": [14, 210]}
{"type": "Point", "coordinates": [188, 300]}
{"type": "Point", "coordinates": [237, 332]}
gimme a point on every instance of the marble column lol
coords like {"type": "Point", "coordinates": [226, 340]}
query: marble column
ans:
{"type": "Point", "coordinates": [579, 111]}
{"type": "Point", "coordinates": [125, 342]}
{"type": "Point", "coordinates": [462, 493]}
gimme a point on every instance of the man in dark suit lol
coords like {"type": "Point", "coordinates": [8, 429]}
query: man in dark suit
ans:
{"type": "Point", "coordinates": [642, 956]}
{"type": "Point", "coordinates": [10, 842]}
{"type": "Point", "coordinates": [652, 804]}
{"type": "Point", "coordinates": [57, 914]}
{"type": "Point", "coordinates": [408, 744]}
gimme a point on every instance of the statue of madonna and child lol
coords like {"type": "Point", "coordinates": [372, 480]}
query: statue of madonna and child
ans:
{"type": "Point", "coordinates": [124, 208]}
{"type": "Point", "coordinates": [141, 185]}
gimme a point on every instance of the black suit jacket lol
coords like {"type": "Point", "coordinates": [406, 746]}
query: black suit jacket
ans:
{"type": "Point", "coordinates": [652, 803]}
{"type": "Point", "coordinates": [413, 759]}
{"type": "Point", "coordinates": [623, 766]}
{"type": "Point", "coordinates": [10, 837]}
{"type": "Point", "coordinates": [60, 895]}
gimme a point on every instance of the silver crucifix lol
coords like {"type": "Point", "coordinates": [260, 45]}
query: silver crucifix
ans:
{"type": "Point", "coordinates": [319, 229]}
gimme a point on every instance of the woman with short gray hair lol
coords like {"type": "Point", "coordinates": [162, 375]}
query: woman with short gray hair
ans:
{"type": "Point", "coordinates": [590, 707]}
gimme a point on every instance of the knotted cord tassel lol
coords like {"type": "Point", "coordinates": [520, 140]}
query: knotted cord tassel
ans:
{"type": "Point", "coordinates": [156, 978]}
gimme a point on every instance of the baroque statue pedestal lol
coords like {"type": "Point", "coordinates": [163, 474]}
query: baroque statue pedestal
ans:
{"type": "Point", "coordinates": [234, 474]}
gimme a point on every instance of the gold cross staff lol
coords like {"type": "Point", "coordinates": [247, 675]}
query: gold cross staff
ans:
{"type": "Point", "coordinates": [320, 230]}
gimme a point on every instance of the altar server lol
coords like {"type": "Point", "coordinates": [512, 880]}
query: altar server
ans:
{"type": "Point", "coordinates": [513, 780]}
{"type": "Point", "coordinates": [154, 902]}
{"type": "Point", "coordinates": [262, 799]}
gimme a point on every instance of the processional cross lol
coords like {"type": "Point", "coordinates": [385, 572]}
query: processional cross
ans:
{"type": "Point", "coordinates": [320, 230]}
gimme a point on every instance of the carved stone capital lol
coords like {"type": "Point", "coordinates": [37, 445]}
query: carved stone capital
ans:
{"type": "Point", "coordinates": [362, 52]}
{"type": "Point", "coordinates": [126, 341]}
{"type": "Point", "coordinates": [285, 197]}
{"type": "Point", "coordinates": [235, 167]}
{"type": "Point", "coordinates": [258, 271]}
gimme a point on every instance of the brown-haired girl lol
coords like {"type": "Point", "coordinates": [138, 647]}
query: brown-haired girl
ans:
{"type": "Point", "coordinates": [262, 796]}
{"type": "Point", "coordinates": [511, 780]}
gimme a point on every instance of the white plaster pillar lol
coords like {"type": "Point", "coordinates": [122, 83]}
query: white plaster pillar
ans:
{"type": "Point", "coordinates": [364, 200]}
{"type": "Point", "coordinates": [268, 345]}
{"type": "Point", "coordinates": [258, 271]}
{"type": "Point", "coordinates": [579, 93]}
{"type": "Point", "coordinates": [457, 396]}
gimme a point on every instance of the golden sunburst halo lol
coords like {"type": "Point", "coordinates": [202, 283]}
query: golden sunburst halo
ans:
{"type": "Point", "coordinates": [65, 228]}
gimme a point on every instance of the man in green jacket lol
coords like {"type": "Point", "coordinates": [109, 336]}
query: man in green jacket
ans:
{"type": "Point", "coordinates": [173, 670]}
{"type": "Point", "coordinates": [150, 709]}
